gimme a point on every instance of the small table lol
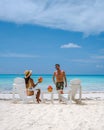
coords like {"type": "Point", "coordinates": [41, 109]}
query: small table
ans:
{"type": "Point", "coordinates": [60, 96]}
{"type": "Point", "coordinates": [46, 92]}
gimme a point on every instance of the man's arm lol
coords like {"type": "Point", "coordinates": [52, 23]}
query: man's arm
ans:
{"type": "Point", "coordinates": [54, 78]}
{"type": "Point", "coordinates": [65, 79]}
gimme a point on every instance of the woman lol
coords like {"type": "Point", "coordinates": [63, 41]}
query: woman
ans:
{"type": "Point", "coordinates": [30, 85]}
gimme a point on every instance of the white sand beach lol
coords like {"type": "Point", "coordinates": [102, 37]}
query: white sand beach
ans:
{"type": "Point", "coordinates": [46, 116]}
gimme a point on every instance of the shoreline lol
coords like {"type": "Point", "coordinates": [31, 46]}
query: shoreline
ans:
{"type": "Point", "coordinates": [91, 95]}
{"type": "Point", "coordinates": [83, 92]}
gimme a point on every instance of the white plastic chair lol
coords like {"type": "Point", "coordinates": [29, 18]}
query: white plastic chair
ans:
{"type": "Point", "coordinates": [75, 85]}
{"type": "Point", "coordinates": [20, 89]}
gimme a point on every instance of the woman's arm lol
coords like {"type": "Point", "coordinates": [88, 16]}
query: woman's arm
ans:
{"type": "Point", "coordinates": [33, 84]}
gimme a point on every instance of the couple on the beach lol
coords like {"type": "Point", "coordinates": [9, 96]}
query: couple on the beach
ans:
{"type": "Point", "coordinates": [59, 79]}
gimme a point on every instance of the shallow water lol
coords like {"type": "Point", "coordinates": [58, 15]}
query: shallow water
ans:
{"type": "Point", "coordinates": [89, 82]}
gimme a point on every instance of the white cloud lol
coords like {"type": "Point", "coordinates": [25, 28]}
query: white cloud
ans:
{"type": "Point", "coordinates": [99, 57]}
{"type": "Point", "coordinates": [84, 61]}
{"type": "Point", "coordinates": [16, 55]}
{"type": "Point", "coordinates": [100, 66]}
{"type": "Point", "coordinates": [70, 45]}
{"type": "Point", "coordinates": [102, 50]}
{"type": "Point", "coordinates": [74, 15]}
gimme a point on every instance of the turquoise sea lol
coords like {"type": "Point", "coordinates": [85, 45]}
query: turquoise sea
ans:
{"type": "Point", "coordinates": [92, 83]}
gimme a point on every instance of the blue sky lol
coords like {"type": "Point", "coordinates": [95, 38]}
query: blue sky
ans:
{"type": "Point", "coordinates": [37, 34]}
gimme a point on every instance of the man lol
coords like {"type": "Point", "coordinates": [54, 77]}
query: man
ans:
{"type": "Point", "coordinates": [59, 78]}
{"type": "Point", "coordinates": [30, 85]}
